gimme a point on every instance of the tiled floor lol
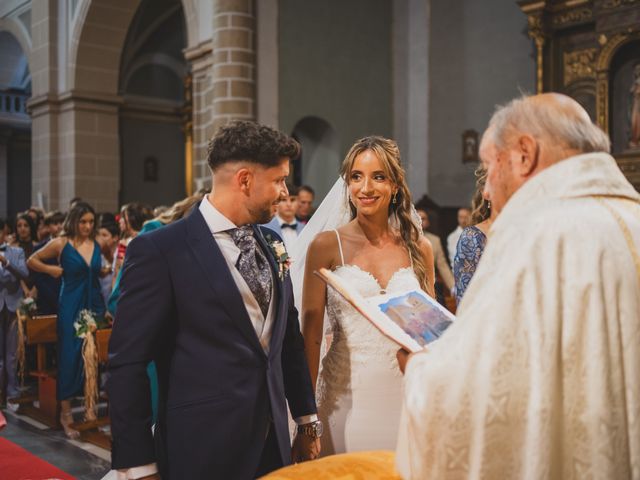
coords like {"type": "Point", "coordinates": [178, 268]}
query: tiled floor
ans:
{"type": "Point", "coordinates": [83, 461]}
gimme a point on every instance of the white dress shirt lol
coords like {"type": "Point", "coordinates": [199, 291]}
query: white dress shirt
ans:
{"type": "Point", "coordinates": [452, 243]}
{"type": "Point", "coordinates": [219, 225]}
{"type": "Point", "coordinates": [289, 235]}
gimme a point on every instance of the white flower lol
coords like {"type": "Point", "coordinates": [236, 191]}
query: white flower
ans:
{"type": "Point", "coordinates": [278, 247]}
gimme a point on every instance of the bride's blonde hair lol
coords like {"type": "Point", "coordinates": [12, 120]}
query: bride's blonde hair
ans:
{"type": "Point", "coordinates": [388, 153]}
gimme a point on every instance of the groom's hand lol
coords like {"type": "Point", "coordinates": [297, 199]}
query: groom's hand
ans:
{"type": "Point", "coordinates": [305, 448]}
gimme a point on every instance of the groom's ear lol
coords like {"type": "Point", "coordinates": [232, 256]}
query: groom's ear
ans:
{"type": "Point", "coordinates": [244, 179]}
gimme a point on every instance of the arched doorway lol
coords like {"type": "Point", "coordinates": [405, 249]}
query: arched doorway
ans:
{"type": "Point", "coordinates": [319, 164]}
{"type": "Point", "coordinates": [15, 127]}
{"type": "Point", "coordinates": [151, 83]}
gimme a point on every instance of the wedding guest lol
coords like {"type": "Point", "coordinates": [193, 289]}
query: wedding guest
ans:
{"type": "Point", "coordinates": [131, 219]}
{"type": "Point", "coordinates": [464, 218]}
{"type": "Point", "coordinates": [53, 221]}
{"type": "Point", "coordinates": [80, 265]}
{"type": "Point", "coordinates": [304, 209]}
{"type": "Point", "coordinates": [25, 238]}
{"type": "Point", "coordinates": [473, 238]}
{"type": "Point", "coordinates": [13, 269]}
{"type": "Point", "coordinates": [206, 300]}
{"type": "Point", "coordinates": [285, 223]}
{"type": "Point", "coordinates": [109, 235]}
{"type": "Point", "coordinates": [439, 257]}
{"type": "Point", "coordinates": [378, 249]}
{"type": "Point", "coordinates": [538, 377]}
{"type": "Point", "coordinates": [47, 288]}
{"type": "Point", "coordinates": [37, 215]}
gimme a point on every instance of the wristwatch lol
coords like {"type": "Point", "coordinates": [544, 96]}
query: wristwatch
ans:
{"type": "Point", "coordinates": [313, 429]}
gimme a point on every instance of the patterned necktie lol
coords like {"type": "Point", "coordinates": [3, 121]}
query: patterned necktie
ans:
{"type": "Point", "coordinates": [253, 266]}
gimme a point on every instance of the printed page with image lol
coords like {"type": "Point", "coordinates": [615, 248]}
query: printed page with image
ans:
{"type": "Point", "coordinates": [411, 318]}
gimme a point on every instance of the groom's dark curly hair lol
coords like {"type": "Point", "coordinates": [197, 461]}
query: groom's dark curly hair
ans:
{"type": "Point", "coordinates": [251, 142]}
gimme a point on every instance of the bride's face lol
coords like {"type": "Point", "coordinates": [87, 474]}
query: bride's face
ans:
{"type": "Point", "coordinates": [370, 188]}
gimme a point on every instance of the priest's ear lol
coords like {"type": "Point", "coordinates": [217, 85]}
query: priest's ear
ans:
{"type": "Point", "coordinates": [528, 155]}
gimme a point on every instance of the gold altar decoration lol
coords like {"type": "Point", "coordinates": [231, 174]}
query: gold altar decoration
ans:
{"type": "Point", "coordinates": [576, 43]}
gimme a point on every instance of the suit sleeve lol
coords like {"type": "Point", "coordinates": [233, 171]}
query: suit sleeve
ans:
{"type": "Point", "coordinates": [141, 322]}
{"type": "Point", "coordinates": [297, 381]}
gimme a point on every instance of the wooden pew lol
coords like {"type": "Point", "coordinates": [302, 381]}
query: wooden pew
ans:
{"type": "Point", "coordinates": [40, 331]}
{"type": "Point", "coordinates": [90, 431]}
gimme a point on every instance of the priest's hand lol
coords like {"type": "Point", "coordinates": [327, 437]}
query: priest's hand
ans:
{"type": "Point", "coordinates": [403, 357]}
{"type": "Point", "coordinates": [305, 448]}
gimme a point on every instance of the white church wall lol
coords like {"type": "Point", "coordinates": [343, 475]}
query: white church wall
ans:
{"type": "Point", "coordinates": [480, 56]}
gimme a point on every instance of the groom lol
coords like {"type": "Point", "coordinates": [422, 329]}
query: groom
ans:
{"type": "Point", "coordinates": [205, 299]}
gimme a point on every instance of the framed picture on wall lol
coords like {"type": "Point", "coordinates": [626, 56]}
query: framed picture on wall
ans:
{"type": "Point", "coordinates": [150, 169]}
{"type": "Point", "coordinates": [469, 146]}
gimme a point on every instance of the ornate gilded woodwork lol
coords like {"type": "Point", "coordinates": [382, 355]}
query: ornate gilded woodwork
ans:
{"type": "Point", "coordinates": [579, 64]}
{"type": "Point", "coordinates": [576, 45]}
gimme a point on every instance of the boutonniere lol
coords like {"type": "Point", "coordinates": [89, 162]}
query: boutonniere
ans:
{"type": "Point", "coordinates": [281, 255]}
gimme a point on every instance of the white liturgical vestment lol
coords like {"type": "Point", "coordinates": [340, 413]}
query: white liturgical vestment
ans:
{"type": "Point", "coordinates": [539, 377]}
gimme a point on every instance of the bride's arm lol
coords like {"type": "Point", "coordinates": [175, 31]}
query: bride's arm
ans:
{"type": "Point", "coordinates": [314, 293]}
{"type": "Point", "coordinates": [427, 256]}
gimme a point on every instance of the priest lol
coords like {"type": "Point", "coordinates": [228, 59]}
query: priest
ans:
{"type": "Point", "coordinates": [539, 377]}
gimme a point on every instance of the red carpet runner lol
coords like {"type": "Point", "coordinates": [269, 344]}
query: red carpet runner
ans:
{"type": "Point", "coordinates": [18, 464]}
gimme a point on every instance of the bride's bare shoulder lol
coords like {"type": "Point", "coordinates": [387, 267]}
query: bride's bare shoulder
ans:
{"type": "Point", "coordinates": [324, 240]}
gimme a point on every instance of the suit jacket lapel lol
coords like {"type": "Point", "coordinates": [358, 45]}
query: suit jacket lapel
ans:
{"type": "Point", "coordinates": [210, 258]}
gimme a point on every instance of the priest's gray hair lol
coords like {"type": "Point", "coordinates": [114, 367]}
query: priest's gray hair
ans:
{"type": "Point", "coordinates": [562, 121]}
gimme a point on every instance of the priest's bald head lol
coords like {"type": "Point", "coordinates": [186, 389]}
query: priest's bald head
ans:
{"type": "Point", "coordinates": [530, 134]}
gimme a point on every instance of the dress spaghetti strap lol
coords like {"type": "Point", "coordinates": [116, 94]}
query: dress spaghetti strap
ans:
{"type": "Point", "coordinates": [340, 247]}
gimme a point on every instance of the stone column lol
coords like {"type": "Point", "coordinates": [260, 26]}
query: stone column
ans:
{"type": "Point", "coordinates": [234, 61]}
{"type": "Point", "coordinates": [43, 106]}
{"type": "Point", "coordinates": [223, 77]}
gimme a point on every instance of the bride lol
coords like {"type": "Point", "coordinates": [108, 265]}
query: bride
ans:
{"type": "Point", "coordinates": [379, 249]}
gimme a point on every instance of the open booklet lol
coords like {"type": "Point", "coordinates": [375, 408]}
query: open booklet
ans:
{"type": "Point", "coordinates": [410, 318]}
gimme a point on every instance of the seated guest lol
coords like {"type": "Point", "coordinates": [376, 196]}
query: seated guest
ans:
{"type": "Point", "coordinates": [305, 203]}
{"type": "Point", "coordinates": [464, 218]}
{"type": "Point", "coordinates": [538, 377]}
{"type": "Point", "coordinates": [473, 238]}
{"type": "Point", "coordinates": [13, 268]}
{"type": "Point", "coordinates": [285, 223]}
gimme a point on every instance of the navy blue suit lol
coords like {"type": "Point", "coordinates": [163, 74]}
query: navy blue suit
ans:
{"type": "Point", "coordinates": [219, 390]}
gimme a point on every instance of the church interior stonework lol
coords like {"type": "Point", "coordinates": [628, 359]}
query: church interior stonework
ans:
{"type": "Point", "coordinates": [118, 109]}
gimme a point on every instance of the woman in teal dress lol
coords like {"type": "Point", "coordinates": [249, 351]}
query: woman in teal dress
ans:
{"type": "Point", "coordinates": [80, 266]}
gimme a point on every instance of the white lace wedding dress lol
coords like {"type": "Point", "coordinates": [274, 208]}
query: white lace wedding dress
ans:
{"type": "Point", "coordinates": [359, 390]}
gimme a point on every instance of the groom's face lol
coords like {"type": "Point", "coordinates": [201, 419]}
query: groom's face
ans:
{"type": "Point", "coordinates": [268, 188]}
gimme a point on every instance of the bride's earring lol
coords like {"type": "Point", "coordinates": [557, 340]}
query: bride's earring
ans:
{"type": "Point", "coordinates": [394, 200]}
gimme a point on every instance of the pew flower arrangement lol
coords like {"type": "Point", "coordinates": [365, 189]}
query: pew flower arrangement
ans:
{"type": "Point", "coordinates": [85, 326]}
{"type": "Point", "coordinates": [26, 309]}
